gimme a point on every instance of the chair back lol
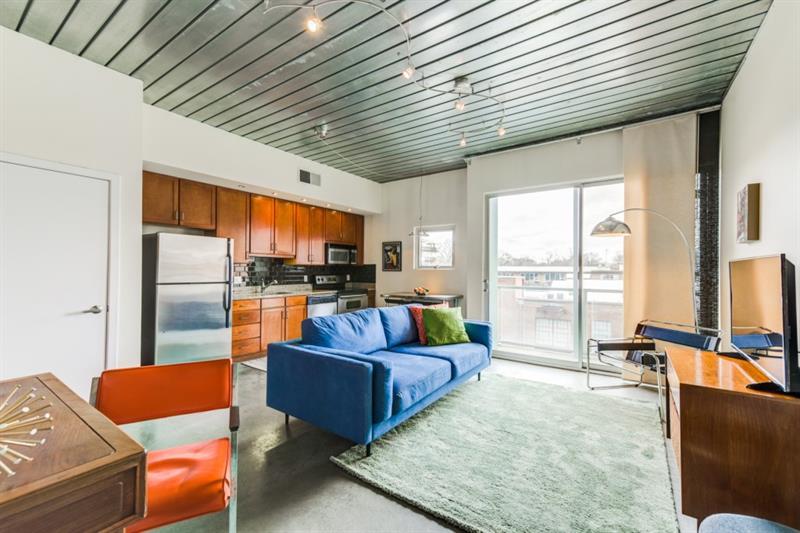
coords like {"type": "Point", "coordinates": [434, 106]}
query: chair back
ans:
{"type": "Point", "coordinates": [684, 338]}
{"type": "Point", "coordinates": [128, 395]}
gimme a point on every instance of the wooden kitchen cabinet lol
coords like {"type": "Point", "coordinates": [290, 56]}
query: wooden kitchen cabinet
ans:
{"type": "Point", "coordinates": [317, 235]}
{"type": "Point", "coordinates": [309, 236]}
{"type": "Point", "coordinates": [160, 199]}
{"type": "Point", "coordinates": [348, 234]}
{"type": "Point", "coordinates": [272, 326]}
{"type": "Point", "coordinates": [283, 229]}
{"type": "Point", "coordinates": [198, 205]}
{"type": "Point", "coordinates": [262, 216]}
{"type": "Point", "coordinates": [233, 219]}
{"type": "Point", "coordinates": [333, 225]}
{"type": "Point", "coordinates": [168, 200]}
{"type": "Point", "coordinates": [295, 314]}
{"type": "Point", "coordinates": [360, 241]}
{"type": "Point", "coordinates": [272, 226]}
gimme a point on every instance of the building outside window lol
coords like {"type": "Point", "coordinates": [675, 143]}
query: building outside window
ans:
{"type": "Point", "coordinates": [433, 247]}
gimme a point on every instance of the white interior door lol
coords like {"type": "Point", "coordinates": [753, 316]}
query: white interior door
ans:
{"type": "Point", "coordinates": [54, 260]}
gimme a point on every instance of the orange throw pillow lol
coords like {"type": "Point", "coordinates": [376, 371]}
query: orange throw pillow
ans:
{"type": "Point", "coordinates": [416, 312]}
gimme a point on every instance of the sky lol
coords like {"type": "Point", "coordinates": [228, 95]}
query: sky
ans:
{"type": "Point", "coordinates": [533, 224]}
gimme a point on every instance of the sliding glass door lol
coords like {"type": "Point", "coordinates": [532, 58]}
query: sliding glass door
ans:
{"type": "Point", "coordinates": [551, 285]}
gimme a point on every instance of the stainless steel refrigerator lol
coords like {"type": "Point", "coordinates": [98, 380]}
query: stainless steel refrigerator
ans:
{"type": "Point", "coordinates": [186, 298]}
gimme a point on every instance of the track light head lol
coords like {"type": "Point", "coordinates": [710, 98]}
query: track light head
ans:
{"type": "Point", "coordinates": [460, 105]}
{"type": "Point", "coordinates": [321, 131]}
{"type": "Point", "coordinates": [313, 23]}
{"type": "Point", "coordinates": [409, 71]}
{"type": "Point", "coordinates": [501, 131]}
{"type": "Point", "coordinates": [463, 142]}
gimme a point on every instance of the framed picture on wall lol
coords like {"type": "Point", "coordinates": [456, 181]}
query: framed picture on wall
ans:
{"type": "Point", "coordinates": [392, 256]}
{"type": "Point", "coordinates": [747, 213]}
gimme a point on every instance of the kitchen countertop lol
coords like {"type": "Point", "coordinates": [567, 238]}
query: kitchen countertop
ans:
{"type": "Point", "coordinates": [255, 293]}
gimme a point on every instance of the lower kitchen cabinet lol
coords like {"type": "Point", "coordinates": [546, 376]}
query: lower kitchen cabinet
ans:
{"type": "Point", "coordinates": [258, 322]}
{"type": "Point", "coordinates": [271, 326]}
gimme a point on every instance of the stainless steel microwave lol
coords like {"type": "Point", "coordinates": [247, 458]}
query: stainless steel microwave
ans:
{"type": "Point", "coordinates": [339, 254]}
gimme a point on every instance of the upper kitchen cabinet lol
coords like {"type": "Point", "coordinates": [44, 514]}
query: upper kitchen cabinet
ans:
{"type": "Point", "coordinates": [198, 205]}
{"type": "Point", "coordinates": [360, 240]}
{"type": "Point", "coordinates": [284, 231]}
{"type": "Point", "coordinates": [233, 218]}
{"type": "Point", "coordinates": [176, 202]}
{"type": "Point", "coordinates": [309, 235]}
{"type": "Point", "coordinates": [340, 227]}
{"type": "Point", "coordinates": [317, 235]}
{"type": "Point", "coordinates": [262, 217]}
{"type": "Point", "coordinates": [349, 230]}
{"type": "Point", "coordinates": [272, 226]}
{"type": "Point", "coordinates": [333, 225]}
{"type": "Point", "coordinates": [160, 199]}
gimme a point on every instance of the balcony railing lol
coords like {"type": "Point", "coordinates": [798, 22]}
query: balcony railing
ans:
{"type": "Point", "coordinates": [541, 320]}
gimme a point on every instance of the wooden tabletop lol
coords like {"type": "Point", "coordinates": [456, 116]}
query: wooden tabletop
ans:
{"type": "Point", "coordinates": [85, 460]}
{"type": "Point", "coordinates": [708, 369]}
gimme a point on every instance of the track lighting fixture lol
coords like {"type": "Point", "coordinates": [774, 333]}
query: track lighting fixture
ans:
{"type": "Point", "coordinates": [321, 131]}
{"type": "Point", "coordinates": [313, 23]}
{"type": "Point", "coordinates": [462, 87]}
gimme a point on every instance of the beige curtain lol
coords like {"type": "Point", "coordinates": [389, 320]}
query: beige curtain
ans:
{"type": "Point", "coordinates": [659, 165]}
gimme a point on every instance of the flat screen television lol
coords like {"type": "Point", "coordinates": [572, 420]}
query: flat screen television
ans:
{"type": "Point", "coordinates": [764, 318]}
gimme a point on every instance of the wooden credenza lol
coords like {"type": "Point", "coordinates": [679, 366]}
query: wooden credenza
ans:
{"type": "Point", "coordinates": [738, 450]}
{"type": "Point", "coordinates": [87, 476]}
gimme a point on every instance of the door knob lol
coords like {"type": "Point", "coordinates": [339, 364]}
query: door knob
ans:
{"type": "Point", "coordinates": [95, 310]}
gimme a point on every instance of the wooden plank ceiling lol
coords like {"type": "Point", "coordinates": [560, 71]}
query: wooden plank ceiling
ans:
{"type": "Point", "coordinates": [561, 67]}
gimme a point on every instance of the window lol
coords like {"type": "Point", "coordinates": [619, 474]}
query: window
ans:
{"type": "Point", "coordinates": [433, 247]}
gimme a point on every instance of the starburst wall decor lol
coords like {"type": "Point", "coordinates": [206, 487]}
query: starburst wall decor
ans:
{"type": "Point", "coordinates": [22, 420]}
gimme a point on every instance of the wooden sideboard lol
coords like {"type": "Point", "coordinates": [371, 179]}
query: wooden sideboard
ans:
{"type": "Point", "coordinates": [738, 450]}
{"type": "Point", "coordinates": [87, 476]}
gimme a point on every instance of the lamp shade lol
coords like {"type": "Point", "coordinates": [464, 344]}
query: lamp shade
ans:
{"type": "Point", "coordinates": [611, 227]}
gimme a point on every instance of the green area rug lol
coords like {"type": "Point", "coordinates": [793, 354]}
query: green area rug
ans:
{"type": "Point", "coordinates": [509, 455]}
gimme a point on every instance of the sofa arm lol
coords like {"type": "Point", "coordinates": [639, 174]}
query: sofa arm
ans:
{"type": "Point", "coordinates": [481, 332]}
{"type": "Point", "coordinates": [381, 380]}
{"type": "Point", "coordinates": [327, 390]}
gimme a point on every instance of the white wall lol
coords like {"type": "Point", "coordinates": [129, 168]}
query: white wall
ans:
{"type": "Point", "coordinates": [761, 143]}
{"type": "Point", "coordinates": [558, 163]}
{"type": "Point", "coordinates": [183, 147]}
{"type": "Point", "coordinates": [58, 107]}
{"type": "Point", "coordinates": [444, 198]}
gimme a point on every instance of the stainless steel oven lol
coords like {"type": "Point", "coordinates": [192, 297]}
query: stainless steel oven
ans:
{"type": "Point", "coordinates": [351, 301]}
{"type": "Point", "coordinates": [339, 254]}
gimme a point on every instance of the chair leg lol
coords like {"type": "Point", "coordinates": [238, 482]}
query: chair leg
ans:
{"type": "Point", "coordinates": [286, 418]}
{"type": "Point", "coordinates": [234, 482]}
{"type": "Point", "coordinates": [369, 449]}
{"type": "Point", "coordinates": [479, 376]}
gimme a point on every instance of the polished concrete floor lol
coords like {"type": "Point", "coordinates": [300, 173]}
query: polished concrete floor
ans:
{"type": "Point", "coordinates": [286, 480]}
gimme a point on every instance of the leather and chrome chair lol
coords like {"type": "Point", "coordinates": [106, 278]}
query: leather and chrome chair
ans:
{"type": "Point", "coordinates": [185, 481]}
{"type": "Point", "coordinates": [636, 355]}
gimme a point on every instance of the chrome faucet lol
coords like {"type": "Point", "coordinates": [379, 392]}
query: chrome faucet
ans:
{"type": "Point", "coordinates": [265, 285]}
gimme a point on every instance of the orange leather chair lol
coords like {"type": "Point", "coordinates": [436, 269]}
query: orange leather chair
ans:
{"type": "Point", "coordinates": [185, 481]}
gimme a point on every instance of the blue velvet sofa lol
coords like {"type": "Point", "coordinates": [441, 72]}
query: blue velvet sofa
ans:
{"type": "Point", "coordinates": [361, 374]}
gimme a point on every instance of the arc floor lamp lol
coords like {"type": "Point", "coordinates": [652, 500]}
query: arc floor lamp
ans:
{"type": "Point", "coordinates": [613, 227]}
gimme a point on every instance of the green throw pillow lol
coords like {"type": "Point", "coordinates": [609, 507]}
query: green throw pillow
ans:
{"type": "Point", "coordinates": [444, 326]}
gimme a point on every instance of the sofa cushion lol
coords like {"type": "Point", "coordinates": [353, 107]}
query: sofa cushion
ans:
{"type": "Point", "coordinates": [444, 326]}
{"type": "Point", "coordinates": [398, 325]}
{"type": "Point", "coordinates": [413, 377]}
{"type": "Point", "coordinates": [361, 331]}
{"type": "Point", "coordinates": [463, 357]}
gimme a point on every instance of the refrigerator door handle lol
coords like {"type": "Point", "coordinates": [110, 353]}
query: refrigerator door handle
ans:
{"type": "Point", "coordinates": [229, 290]}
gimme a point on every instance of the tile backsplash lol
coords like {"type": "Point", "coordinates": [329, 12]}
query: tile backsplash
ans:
{"type": "Point", "coordinates": [266, 269]}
